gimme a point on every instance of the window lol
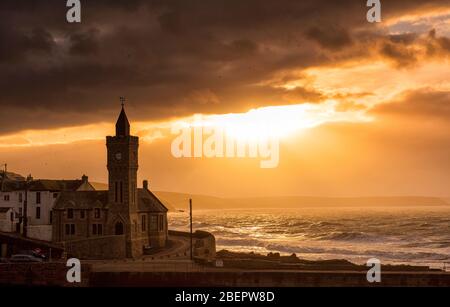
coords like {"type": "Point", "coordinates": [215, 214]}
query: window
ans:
{"type": "Point", "coordinates": [38, 213]}
{"type": "Point", "coordinates": [55, 195]}
{"type": "Point", "coordinates": [97, 213]}
{"type": "Point", "coordinates": [97, 229]}
{"type": "Point", "coordinates": [121, 192]}
{"type": "Point", "coordinates": [70, 213]}
{"type": "Point", "coordinates": [144, 223]}
{"type": "Point", "coordinates": [115, 191]}
{"type": "Point", "coordinates": [20, 197]}
{"type": "Point", "coordinates": [6, 197]}
{"type": "Point", "coordinates": [82, 214]}
{"type": "Point", "coordinates": [153, 222]}
{"type": "Point", "coordinates": [12, 216]}
{"type": "Point", "coordinates": [161, 225]}
{"type": "Point", "coordinates": [70, 229]}
{"type": "Point", "coordinates": [38, 197]}
{"type": "Point", "coordinates": [51, 216]}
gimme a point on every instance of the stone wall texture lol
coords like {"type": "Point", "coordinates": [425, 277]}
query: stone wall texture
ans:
{"type": "Point", "coordinates": [106, 247]}
{"type": "Point", "coordinates": [40, 274]}
{"type": "Point", "coordinates": [40, 232]}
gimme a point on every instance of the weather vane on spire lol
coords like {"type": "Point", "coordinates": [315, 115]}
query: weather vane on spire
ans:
{"type": "Point", "coordinates": [122, 101]}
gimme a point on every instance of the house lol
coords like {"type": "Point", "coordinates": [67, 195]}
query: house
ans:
{"type": "Point", "coordinates": [8, 219]}
{"type": "Point", "coordinates": [40, 196]}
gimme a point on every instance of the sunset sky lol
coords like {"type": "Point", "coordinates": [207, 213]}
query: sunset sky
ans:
{"type": "Point", "coordinates": [361, 109]}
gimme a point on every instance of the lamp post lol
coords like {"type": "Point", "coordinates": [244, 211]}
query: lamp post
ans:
{"type": "Point", "coordinates": [190, 222]}
{"type": "Point", "coordinates": [25, 208]}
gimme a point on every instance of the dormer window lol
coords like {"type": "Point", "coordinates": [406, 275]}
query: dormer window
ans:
{"type": "Point", "coordinates": [70, 213]}
{"type": "Point", "coordinates": [97, 213]}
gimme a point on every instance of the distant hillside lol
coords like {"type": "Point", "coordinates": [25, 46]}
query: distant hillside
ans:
{"type": "Point", "coordinates": [181, 201]}
{"type": "Point", "coordinates": [103, 186]}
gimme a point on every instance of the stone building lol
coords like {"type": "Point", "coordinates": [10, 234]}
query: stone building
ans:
{"type": "Point", "coordinates": [8, 219]}
{"type": "Point", "coordinates": [122, 210]}
{"type": "Point", "coordinates": [40, 195]}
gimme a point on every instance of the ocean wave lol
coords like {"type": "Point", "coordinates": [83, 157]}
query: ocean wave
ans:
{"type": "Point", "coordinates": [240, 242]}
{"type": "Point", "coordinates": [416, 237]}
{"type": "Point", "coordinates": [347, 236]}
{"type": "Point", "coordinates": [435, 244]}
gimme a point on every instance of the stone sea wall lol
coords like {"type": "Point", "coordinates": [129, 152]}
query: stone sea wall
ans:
{"type": "Point", "coordinates": [105, 247]}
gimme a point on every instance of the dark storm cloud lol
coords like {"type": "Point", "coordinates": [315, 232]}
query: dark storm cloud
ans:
{"type": "Point", "coordinates": [404, 38]}
{"type": "Point", "coordinates": [83, 43]}
{"type": "Point", "coordinates": [330, 37]}
{"type": "Point", "coordinates": [437, 45]}
{"type": "Point", "coordinates": [163, 55]}
{"type": "Point", "coordinates": [407, 49]}
{"type": "Point", "coordinates": [15, 45]}
{"type": "Point", "coordinates": [425, 103]}
{"type": "Point", "coordinates": [400, 54]}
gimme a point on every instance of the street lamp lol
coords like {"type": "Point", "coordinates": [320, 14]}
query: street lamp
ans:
{"type": "Point", "coordinates": [25, 206]}
{"type": "Point", "coordinates": [190, 224]}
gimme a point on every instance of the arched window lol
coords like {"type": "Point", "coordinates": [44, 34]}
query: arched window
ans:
{"type": "Point", "coordinates": [119, 228]}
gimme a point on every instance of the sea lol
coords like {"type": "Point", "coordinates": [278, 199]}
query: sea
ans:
{"type": "Point", "coordinates": [407, 235]}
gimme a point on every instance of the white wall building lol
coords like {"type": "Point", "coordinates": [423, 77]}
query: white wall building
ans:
{"type": "Point", "coordinates": [8, 219]}
{"type": "Point", "coordinates": [40, 195]}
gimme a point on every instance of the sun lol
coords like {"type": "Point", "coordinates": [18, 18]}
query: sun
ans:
{"type": "Point", "coordinates": [274, 121]}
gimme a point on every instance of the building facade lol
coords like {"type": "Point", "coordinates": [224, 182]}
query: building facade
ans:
{"type": "Point", "coordinates": [8, 219]}
{"type": "Point", "coordinates": [40, 196]}
{"type": "Point", "coordinates": [122, 210]}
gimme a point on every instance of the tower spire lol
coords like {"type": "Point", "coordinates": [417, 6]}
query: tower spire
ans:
{"type": "Point", "coordinates": [122, 124]}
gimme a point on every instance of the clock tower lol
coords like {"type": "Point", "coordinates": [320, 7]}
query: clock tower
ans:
{"type": "Point", "coordinates": [122, 164]}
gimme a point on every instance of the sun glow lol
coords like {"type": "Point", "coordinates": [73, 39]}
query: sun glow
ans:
{"type": "Point", "coordinates": [274, 121]}
{"type": "Point", "coordinates": [256, 124]}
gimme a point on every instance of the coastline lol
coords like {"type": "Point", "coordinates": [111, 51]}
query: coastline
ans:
{"type": "Point", "coordinates": [251, 260]}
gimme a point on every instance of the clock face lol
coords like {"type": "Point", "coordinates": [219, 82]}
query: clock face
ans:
{"type": "Point", "coordinates": [118, 156]}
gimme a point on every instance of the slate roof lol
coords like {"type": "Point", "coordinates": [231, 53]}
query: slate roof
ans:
{"type": "Point", "coordinates": [147, 201]}
{"type": "Point", "coordinates": [82, 200]}
{"type": "Point", "coordinates": [122, 124]}
{"type": "Point", "coordinates": [41, 185]}
{"type": "Point", "coordinates": [55, 185]}
{"type": "Point", "coordinates": [11, 185]}
{"type": "Point", "coordinates": [11, 176]}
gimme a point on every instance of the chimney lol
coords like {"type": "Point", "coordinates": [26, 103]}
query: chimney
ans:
{"type": "Point", "coordinates": [145, 184]}
{"type": "Point", "coordinates": [84, 179]}
{"type": "Point", "coordinates": [29, 178]}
